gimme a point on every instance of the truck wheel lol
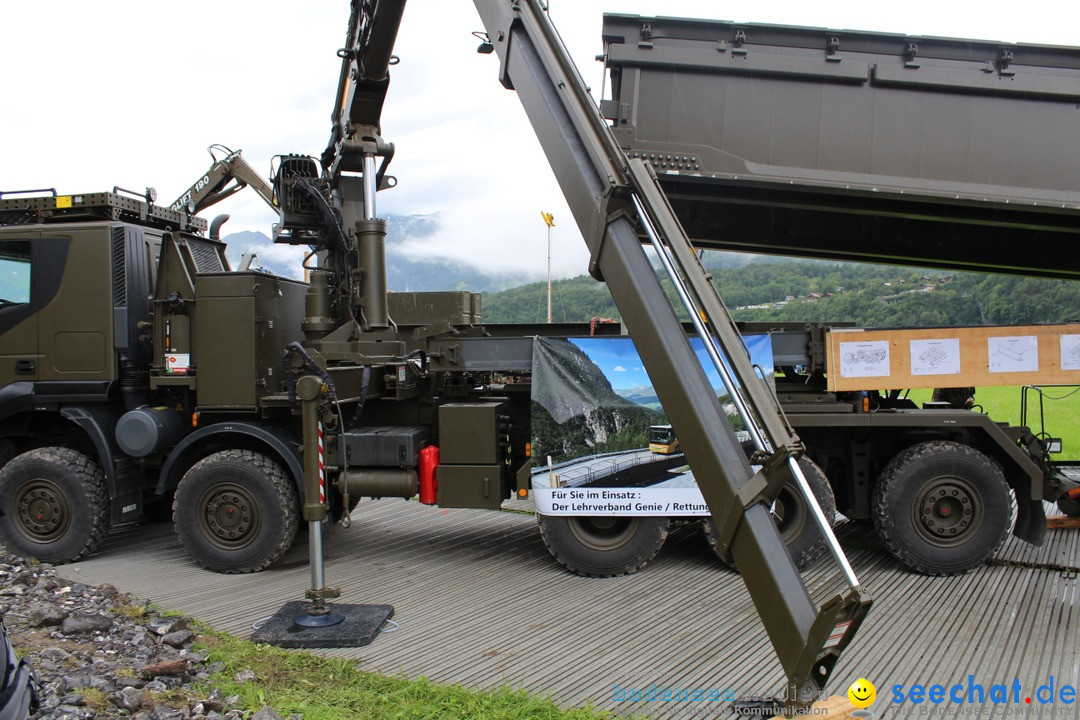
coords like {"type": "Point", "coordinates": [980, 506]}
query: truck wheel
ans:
{"type": "Point", "coordinates": [603, 546]}
{"type": "Point", "coordinates": [55, 505]}
{"type": "Point", "coordinates": [235, 511]}
{"type": "Point", "coordinates": [800, 533]}
{"type": "Point", "coordinates": [942, 508]}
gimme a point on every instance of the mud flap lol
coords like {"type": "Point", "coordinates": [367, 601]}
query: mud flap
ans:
{"type": "Point", "coordinates": [124, 477]}
{"type": "Point", "coordinates": [126, 496]}
{"type": "Point", "coordinates": [1030, 523]}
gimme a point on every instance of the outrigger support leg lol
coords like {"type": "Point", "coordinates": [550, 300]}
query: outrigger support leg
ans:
{"type": "Point", "coordinates": [317, 624]}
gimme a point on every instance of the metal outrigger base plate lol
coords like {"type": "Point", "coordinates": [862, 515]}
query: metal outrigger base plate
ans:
{"type": "Point", "coordinates": [360, 625]}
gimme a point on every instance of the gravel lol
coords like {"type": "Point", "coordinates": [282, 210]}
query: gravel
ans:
{"type": "Point", "coordinates": [99, 653]}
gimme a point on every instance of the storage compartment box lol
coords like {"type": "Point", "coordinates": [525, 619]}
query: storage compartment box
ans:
{"type": "Point", "coordinates": [468, 433]}
{"type": "Point", "coordinates": [470, 486]}
{"type": "Point", "coordinates": [389, 446]}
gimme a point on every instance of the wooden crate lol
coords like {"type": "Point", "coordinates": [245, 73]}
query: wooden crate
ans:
{"type": "Point", "coordinates": [953, 357]}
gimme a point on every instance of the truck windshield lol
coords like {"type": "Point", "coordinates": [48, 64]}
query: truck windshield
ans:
{"type": "Point", "coordinates": [14, 272]}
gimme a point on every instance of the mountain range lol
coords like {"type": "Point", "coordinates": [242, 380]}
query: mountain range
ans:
{"type": "Point", "coordinates": [645, 396]}
{"type": "Point", "coordinates": [575, 411]}
{"type": "Point", "coordinates": [403, 274]}
{"type": "Point", "coordinates": [415, 274]}
{"type": "Point", "coordinates": [757, 288]}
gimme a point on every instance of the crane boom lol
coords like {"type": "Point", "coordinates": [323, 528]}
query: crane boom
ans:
{"type": "Point", "coordinates": [227, 175]}
{"type": "Point", "coordinates": [614, 201]}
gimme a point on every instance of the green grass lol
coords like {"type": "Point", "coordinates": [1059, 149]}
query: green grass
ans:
{"type": "Point", "coordinates": [333, 688]}
{"type": "Point", "coordinates": [320, 688]}
{"type": "Point", "coordinates": [1061, 407]}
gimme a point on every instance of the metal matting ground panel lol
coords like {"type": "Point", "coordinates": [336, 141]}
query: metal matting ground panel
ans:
{"type": "Point", "coordinates": [480, 602]}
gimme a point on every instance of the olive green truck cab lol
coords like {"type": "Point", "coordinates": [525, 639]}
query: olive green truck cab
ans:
{"type": "Point", "coordinates": [141, 376]}
{"type": "Point", "coordinates": [100, 401]}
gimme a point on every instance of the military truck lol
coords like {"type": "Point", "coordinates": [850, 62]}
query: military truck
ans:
{"type": "Point", "coordinates": [136, 365]}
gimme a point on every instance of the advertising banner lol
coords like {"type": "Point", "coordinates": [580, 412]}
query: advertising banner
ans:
{"type": "Point", "coordinates": [602, 443]}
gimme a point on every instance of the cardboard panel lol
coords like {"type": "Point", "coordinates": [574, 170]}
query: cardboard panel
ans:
{"type": "Point", "coordinates": [953, 357]}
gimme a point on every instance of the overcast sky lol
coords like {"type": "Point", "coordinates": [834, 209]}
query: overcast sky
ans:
{"type": "Point", "coordinates": [125, 93]}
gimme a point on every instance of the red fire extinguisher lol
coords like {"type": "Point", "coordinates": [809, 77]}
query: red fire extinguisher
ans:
{"type": "Point", "coordinates": [429, 484]}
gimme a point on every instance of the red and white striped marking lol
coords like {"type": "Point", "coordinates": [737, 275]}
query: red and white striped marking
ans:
{"type": "Point", "coordinates": [322, 470]}
{"type": "Point", "coordinates": [837, 634]}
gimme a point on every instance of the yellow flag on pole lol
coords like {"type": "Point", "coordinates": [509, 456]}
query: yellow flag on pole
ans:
{"type": "Point", "coordinates": [549, 219]}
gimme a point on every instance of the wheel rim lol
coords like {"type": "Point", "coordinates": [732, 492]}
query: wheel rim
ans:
{"type": "Point", "coordinates": [947, 511]}
{"type": "Point", "coordinates": [229, 517]}
{"type": "Point", "coordinates": [602, 532]}
{"type": "Point", "coordinates": [789, 514]}
{"type": "Point", "coordinates": [42, 509]}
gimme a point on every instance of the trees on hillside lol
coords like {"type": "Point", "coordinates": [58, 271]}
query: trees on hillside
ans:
{"type": "Point", "coordinates": [866, 295]}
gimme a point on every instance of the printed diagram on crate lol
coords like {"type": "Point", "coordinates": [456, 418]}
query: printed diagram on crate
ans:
{"type": "Point", "coordinates": [1013, 354]}
{"type": "Point", "coordinates": [864, 359]}
{"type": "Point", "coordinates": [933, 357]}
{"type": "Point", "coordinates": [1070, 352]}
{"type": "Point", "coordinates": [939, 356]}
{"type": "Point", "coordinates": [863, 356]}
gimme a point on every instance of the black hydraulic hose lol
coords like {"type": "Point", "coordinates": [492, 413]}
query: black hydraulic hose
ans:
{"type": "Point", "coordinates": [329, 217]}
{"type": "Point", "coordinates": [365, 379]}
{"type": "Point", "coordinates": [414, 355]}
{"type": "Point", "coordinates": [310, 364]}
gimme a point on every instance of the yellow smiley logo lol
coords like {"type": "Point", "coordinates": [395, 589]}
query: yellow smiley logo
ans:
{"type": "Point", "coordinates": [862, 693]}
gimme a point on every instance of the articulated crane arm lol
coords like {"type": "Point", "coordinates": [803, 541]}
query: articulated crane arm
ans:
{"type": "Point", "coordinates": [228, 174]}
{"type": "Point", "coordinates": [362, 84]}
{"type": "Point", "coordinates": [616, 201]}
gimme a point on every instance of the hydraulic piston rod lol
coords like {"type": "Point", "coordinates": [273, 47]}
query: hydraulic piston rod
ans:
{"type": "Point", "coordinates": [309, 388]}
{"type": "Point", "coordinates": [757, 435]}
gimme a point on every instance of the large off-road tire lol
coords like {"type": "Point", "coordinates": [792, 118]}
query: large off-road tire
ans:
{"type": "Point", "coordinates": [942, 508]}
{"type": "Point", "coordinates": [236, 511]}
{"type": "Point", "coordinates": [797, 527]}
{"type": "Point", "coordinates": [55, 504]}
{"type": "Point", "coordinates": [603, 546]}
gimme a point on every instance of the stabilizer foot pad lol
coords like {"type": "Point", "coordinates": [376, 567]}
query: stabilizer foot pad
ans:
{"type": "Point", "coordinates": [360, 626]}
